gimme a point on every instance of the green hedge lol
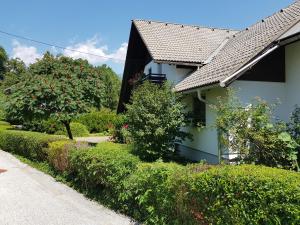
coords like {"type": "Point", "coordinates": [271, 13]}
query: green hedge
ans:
{"type": "Point", "coordinates": [246, 194]}
{"type": "Point", "coordinates": [32, 145]}
{"type": "Point", "coordinates": [78, 130]}
{"type": "Point", "coordinates": [104, 166]}
{"type": "Point", "coordinates": [167, 193]}
{"type": "Point", "coordinates": [98, 121]}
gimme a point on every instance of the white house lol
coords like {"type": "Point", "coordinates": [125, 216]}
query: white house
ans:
{"type": "Point", "coordinates": [262, 60]}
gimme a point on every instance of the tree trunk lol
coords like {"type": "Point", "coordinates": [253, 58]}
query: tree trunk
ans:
{"type": "Point", "coordinates": [68, 128]}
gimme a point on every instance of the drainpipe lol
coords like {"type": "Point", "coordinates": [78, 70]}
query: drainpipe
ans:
{"type": "Point", "coordinates": [199, 91]}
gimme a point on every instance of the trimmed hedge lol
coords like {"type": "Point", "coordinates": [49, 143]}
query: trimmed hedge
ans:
{"type": "Point", "coordinates": [245, 194]}
{"type": "Point", "coordinates": [166, 193]}
{"type": "Point", "coordinates": [78, 130]}
{"type": "Point", "coordinates": [149, 193]}
{"type": "Point", "coordinates": [104, 166]}
{"type": "Point", "coordinates": [32, 145]}
{"type": "Point", "coordinates": [98, 121]}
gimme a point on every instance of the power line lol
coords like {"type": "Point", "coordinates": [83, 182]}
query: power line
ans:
{"type": "Point", "coordinates": [56, 46]}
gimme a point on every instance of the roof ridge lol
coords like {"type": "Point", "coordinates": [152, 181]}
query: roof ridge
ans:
{"type": "Point", "coordinates": [182, 24]}
{"type": "Point", "coordinates": [282, 10]}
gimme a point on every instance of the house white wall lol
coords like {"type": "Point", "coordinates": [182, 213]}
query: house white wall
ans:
{"type": "Point", "coordinates": [292, 70]}
{"type": "Point", "coordinates": [285, 94]}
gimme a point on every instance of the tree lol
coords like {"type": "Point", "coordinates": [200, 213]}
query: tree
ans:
{"type": "Point", "coordinates": [58, 87]}
{"type": "Point", "coordinates": [155, 118]}
{"type": "Point", "coordinates": [112, 86]}
{"type": "Point", "coordinates": [3, 59]}
{"type": "Point", "coordinates": [14, 71]}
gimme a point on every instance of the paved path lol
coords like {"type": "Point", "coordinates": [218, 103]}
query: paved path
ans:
{"type": "Point", "coordinates": [30, 197]}
{"type": "Point", "coordinates": [93, 140]}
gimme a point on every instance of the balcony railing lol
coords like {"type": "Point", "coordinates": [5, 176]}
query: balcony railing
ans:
{"type": "Point", "coordinates": [155, 77]}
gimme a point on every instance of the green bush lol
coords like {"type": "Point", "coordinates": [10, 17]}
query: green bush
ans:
{"type": "Point", "coordinates": [58, 153]}
{"type": "Point", "coordinates": [252, 133]}
{"type": "Point", "coordinates": [98, 121]}
{"type": "Point", "coordinates": [120, 132]}
{"type": "Point", "coordinates": [246, 194]}
{"type": "Point", "coordinates": [149, 194]}
{"type": "Point", "coordinates": [49, 126]}
{"type": "Point", "coordinates": [78, 130]}
{"type": "Point", "coordinates": [4, 125]}
{"type": "Point", "coordinates": [32, 145]}
{"type": "Point", "coordinates": [103, 167]}
{"type": "Point", "coordinates": [155, 118]}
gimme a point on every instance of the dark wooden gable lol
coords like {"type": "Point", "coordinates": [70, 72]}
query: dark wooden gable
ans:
{"type": "Point", "coordinates": [136, 59]}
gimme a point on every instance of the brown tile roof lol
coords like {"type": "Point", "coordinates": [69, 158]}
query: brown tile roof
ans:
{"type": "Point", "coordinates": [180, 43]}
{"type": "Point", "coordinates": [240, 49]}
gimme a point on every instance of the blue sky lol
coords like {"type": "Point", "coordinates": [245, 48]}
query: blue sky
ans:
{"type": "Point", "coordinates": [102, 27]}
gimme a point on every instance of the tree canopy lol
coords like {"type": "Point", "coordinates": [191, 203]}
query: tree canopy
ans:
{"type": "Point", "coordinates": [60, 87]}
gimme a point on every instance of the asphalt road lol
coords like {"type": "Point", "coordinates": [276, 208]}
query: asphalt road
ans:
{"type": "Point", "coordinates": [30, 197]}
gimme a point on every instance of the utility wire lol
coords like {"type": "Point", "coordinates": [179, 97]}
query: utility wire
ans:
{"type": "Point", "coordinates": [56, 46]}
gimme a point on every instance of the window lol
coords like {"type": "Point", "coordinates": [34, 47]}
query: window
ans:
{"type": "Point", "coordinates": [199, 112]}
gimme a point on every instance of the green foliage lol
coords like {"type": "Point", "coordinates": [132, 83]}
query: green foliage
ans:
{"type": "Point", "coordinates": [32, 145]}
{"type": "Point", "coordinates": [164, 193]}
{"type": "Point", "coordinates": [294, 128]}
{"type": "Point", "coordinates": [3, 59]}
{"type": "Point", "coordinates": [15, 71]}
{"type": "Point", "coordinates": [103, 167]}
{"type": "Point", "coordinates": [251, 132]}
{"type": "Point", "coordinates": [2, 108]}
{"type": "Point", "coordinates": [244, 194]}
{"type": "Point", "coordinates": [60, 88]}
{"type": "Point", "coordinates": [58, 153]}
{"type": "Point", "coordinates": [120, 131]}
{"type": "Point", "coordinates": [112, 86]}
{"type": "Point", "coordinates": [98, 121]}
{"type": "Point", "coordinates": [78, 130]}
{"type": "Point", "coordinates": [155, 118]}
{"type": "Point", "coordinates": [149, 193]}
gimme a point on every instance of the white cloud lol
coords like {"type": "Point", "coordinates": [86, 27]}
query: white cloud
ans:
{"type": "Point", "coordinates": [28, 54]}
{"type": "Point", "coordinates": [97, 54]}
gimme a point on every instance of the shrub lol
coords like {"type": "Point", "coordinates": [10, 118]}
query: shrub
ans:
{"type": "Point", "coordinates": [120, 132]}
{"type": "Point", "coordinates": [58, 153]}
{"type": "Point", "coordinates": [103, 167]}
{"type": "Point", "coordinates": [32, 145]}
{"type": "Point", "coordinates": [155, 118]}
{"type": "Point", "coordinates": [251, 132]}
{"type": "Point", "coordinates": [244, 194]}
{"type": "Point", "coordinates": [149, 193]}
{"type": "Point", "coordinates": [4, 125]}
{"type": "Point", "coordinates": [78, 130]}
{"type": "Point", "coordinates": [98, 121]}
{"type": "Point", "coordinates": [49, 126]}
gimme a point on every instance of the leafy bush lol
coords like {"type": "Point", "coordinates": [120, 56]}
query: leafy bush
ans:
{"type": "Point", "coordinates": [98, 121]}
{"type": "Point", "coordinates": [29, 144]}
{"type": "Point", "coordinates": [244, 194]}
{"type": "Point", "coordinates": [251, 132]}
{"type": "Point", "coordinates": [149, 193]}
{"type": "Point", "coordinates": [49, 126]}
{"type": "Point", "coordinates": [121, 133]}
{"type": "Point", "coordinates": [155, 118]}
{"type": "Point", "coordinates": [103, 167]}
{"type": "Point", "coordinates": [58, 153]}
{"type": "Point", "coordinates": [78, 130]}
